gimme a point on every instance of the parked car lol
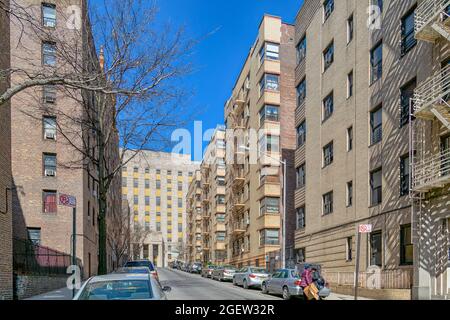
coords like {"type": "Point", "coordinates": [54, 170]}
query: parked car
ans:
{"type": "Point", "coordinates": [122, 286]}
{"type": "Point", "coordinates": [207, 271]}
{"type": "Point", "coordinates": [250, 277]}
{"type": "Point", "coordinates": [143, 263]}
{"type": "Point", "coordinates": [224, 273]}
{"type": "Point", "coordinates": [196, 268]}
{"type": "Point", "coordinates": [141, 270]}
{"type": "Point", "coordinates": [186, 267]}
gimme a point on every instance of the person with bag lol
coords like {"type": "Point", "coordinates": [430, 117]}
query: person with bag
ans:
{"type": "Point", "coordinates": [309, 288]}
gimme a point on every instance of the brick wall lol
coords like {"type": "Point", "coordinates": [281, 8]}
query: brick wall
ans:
{"type": "Point", "coordinates": [5, 173]}
{"type": "Point", "coordinates": [29, 286]}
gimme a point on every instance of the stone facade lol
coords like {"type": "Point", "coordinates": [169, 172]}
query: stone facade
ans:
{"type": "Point", "coordinates": [6, 261]}
{"type": "Point", "coordinates": [194, 220]}
{"type": "Point", "coordinates": [156, 184]}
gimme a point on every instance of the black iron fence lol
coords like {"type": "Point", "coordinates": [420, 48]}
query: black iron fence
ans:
{"type": "Point", "coordinates": [33, 259]}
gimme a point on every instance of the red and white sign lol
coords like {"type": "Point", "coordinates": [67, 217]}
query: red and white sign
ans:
{"type": "Point", "coordinates": [365, 228]}
{"type": "Point", "coordinates": [67, 200]}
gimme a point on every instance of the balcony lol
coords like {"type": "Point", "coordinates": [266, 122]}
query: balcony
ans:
{"type": "Point", "coordinates": [432, 96]}
{"type": "Point", "coordinates": [238, 229]}
{"type": "Point", "coordinates": [432, 172]}
{"type": "Point", "coordinates": [238, 207]}
{"type": "Point", "coordinates": [431, 20]}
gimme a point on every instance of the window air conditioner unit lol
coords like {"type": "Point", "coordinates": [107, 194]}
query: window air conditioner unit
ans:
{"type": "Point", "coordinates": [49, 99]}
{"type": "Point", "coordinates": [50, 135]}
{"type": "Point", "coordinates": [50, 173]}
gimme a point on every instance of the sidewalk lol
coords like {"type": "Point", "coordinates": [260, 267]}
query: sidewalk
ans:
{"type": "Point", "coordinates": [61, 294]}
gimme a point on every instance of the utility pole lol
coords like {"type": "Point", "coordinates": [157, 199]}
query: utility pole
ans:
{"type": "Point", "coordinates": [74, 242]}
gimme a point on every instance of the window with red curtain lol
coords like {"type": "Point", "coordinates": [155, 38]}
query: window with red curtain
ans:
{"type": "Point", "coordinates": [50, 202]}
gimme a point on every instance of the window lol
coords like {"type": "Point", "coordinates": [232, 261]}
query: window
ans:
{"type": "Point", "coordinates": [408, 36]}
{"type": "Point", "coordinates": [147, 183]}
{"type": "Point", "coordinates": [220, 236]}
{"type": "Point", "coordinates": [301, 218]}
{"type": "Point", "coordinates": [49, 165]}
{"type": "Point", "coordinates": [135, 182]}
{"type": "Point", "coordinates": [350, 139]}
{"type": "Point", "coordinates": [147, 213]}
{"type": "Point", "coordinates": [269, 113]}
{"type": "Point", "coordinates": [220, 199]}
{"type": "Point", "coordinates": [376, 125]}
{"type": "Point", "coordinates": [269, 51]}
{"type": "Point", "coordinates": [301, 134]}
{"type": "Point", "coordinates": [49, 202]}
{"type": "Point", "coordinates": [376, 249]}
{"type": "Point", "coordinates": [147, 200]}
{"type": "Point", "coordinates": [327, 200]}
{"type": "Point", "coordinates": [301, 92]}
{"type": "Point", "coordinates": [301, 50]}
{"type": "Point", "coordinates": [49, 53]}
{"type": "Point", "coordinates": [301, 176]}
{"type": "Point", "coordinates": [350, 84]}
{"type": "Point", "coordinates": [269, 82]}
{"type": "Point", "coordinates": [376, 62]}
{"type": "Point", "coordinates": [406, 94]}
{"type": "Point", "coordinates": [328, 8]}
{"type": "Point", "coordinates": [406, 246]}
{"type": "Point", "coordinates": [48, 15]}
{"type": "Point", "coordinates": [220, 217]}
{"type": "Point", "coordinates": [180, 203]}
{"type": "Point", "coordinates": [124, 183]}
{"type": "Point", "coordinates": [269, 205]}
{"type": "Point", "coordinates": [136, 170]}
{"type": "Point", "coordinates": [169, 172]}
{"type": "Point", "coordinates": [328, 107]}
{"type": "Point", "coordinates": [376, 187]}
{"type": "Point", "coordinates": [136, 200]}
{"type": "Point", "coordinates": [180, 227]}
{"type": "Point", "coordinates": [270, 143]}
{"type": "Point", "coordinates": [328, 154]}
{"type": "Point", "coordinates": [190, 174]}
{"type": "Point", "coordinates": [220, 181]}
{"type": "Point", "coordinates": [349, 194]}
{"type": "Point", "coordinates": [49, 94]}
{"type": "Point", "coordinates": [180, 186]}
{"type": "Point", "coordinates": [158, 184]}
{"type": "Point", "coordinates": [49, 124]}
{"type": "Point", "coordinates": [349, 249]}
{"type": "Point", "coordinates": [350, 29]}
{"type": "Point", "coordinates": [158, 226]}
{"type": "Point", "coordinates": [269, 237]}
{"type": "Point", "coordinates": [180, 173]}
{"type": "Point", "coordinates": [328, 56]}
{"type": "Point", "coordinates": [404, 175]}
{"type": "Point", "coordinates": [300, 255]}
{"type": "Point", "coordinates": [147, 226]}
{"type": "Point", "coordinates": [34, 235]}
{"type": "Point", "coordinates": [158, 171]}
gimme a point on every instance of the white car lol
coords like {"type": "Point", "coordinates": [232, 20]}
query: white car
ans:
{"type": "Point", "coordinates": [250, 277]}
{"type": "Point", "coordinates": [122, 286]}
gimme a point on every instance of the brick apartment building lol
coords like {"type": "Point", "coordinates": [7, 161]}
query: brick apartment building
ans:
{"type": "Point", "coordinates": [6, 261]}
{"type": "Point", "coordinates": [44, 164]}
{"type": "Point", "coordinates": [194, 212]}
{"type": "Point", "coordinates": [262, 99]}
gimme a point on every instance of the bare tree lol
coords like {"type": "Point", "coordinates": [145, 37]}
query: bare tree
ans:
{"type": "Point", "coordinates": [119, 235]}
{"type": "Point", "coordinates": [131, 90]}
{"type": "Point", "coordinates": [139, 235]}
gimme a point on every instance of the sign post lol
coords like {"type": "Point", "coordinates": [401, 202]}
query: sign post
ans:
{"type": "Point", "coordinates": [363, 228]}
{"type": "Point", "coordinates": [71, 202]}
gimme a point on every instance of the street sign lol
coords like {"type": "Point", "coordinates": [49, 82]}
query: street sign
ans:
{"type": "Point", "coordinates": [67, 200]}
{"type": "Point", "coordinates": [365, 228]}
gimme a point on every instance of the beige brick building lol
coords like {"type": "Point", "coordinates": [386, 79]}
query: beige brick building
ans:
{"type": "Point", "coordinates": [263, 97]}
{"type": "Point", "coordinates": [44, 163]}
{"type": "Point", "coordinates": [6, 261]}
{"type": "Point", "coordinates": [213, 171]}
{"type": "Point", "coordinates": [156, 185]}
{"type": "Point", "coordinates": [194, 219]}
{"type": "Point", "coordinates": [354, 83]}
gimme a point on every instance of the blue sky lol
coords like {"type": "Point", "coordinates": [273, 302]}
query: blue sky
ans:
{"type": "Point", "coordinates": [219, 57]}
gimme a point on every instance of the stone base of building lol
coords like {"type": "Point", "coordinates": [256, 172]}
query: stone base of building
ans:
{"type": "Point", "coordinates": [377, 294]}
{"type": "Point", "coordinates": [26, 286]}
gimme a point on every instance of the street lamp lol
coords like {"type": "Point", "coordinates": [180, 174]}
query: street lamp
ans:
{"type": "Point", "coordinates": [283, 231]}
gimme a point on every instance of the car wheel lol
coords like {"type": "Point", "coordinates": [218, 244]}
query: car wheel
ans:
{"type": "Point", "coordinates": [220, 279]}
{"type": "Point", "coordinates": [234, 282]}
{"type": "Point", "coordinates": [245, 284]}
{"type": "Point", "coordinates": [286, 294]}
{"type": "Point", "coordinates": [264, 288]}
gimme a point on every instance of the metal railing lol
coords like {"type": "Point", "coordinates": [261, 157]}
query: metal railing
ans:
{"type": "Point", "coordinates": [431, 170]}
{"type": "Point", "coordinates": [432, 90]}
{"type": "Point", "coordinates": [387, 279]}
{"type": "Point", "coordinates": [31, 258]}
{"type": "Point", "coordinates": [427, 11]}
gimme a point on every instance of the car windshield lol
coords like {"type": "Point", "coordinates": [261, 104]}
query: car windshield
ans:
{"type": "Point", "coordinates": [117, 290]}
{"type": "Point", "coordinates": [147, 264]}
{"type": "Point", "coordinates": [258, 270]}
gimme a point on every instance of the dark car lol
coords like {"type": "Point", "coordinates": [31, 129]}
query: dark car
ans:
{"type": "Point", "coordinates": [143, 263]}
{"type": "Point", "coordinates": [196, 268]}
